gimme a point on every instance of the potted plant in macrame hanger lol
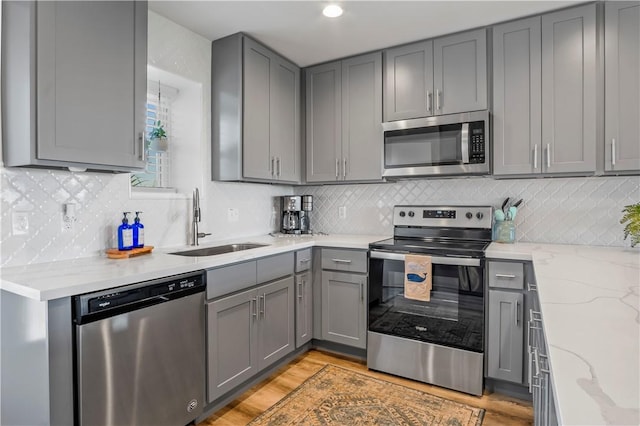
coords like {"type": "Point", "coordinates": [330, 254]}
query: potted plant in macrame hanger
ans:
{"type": "Point", "coordinates": [158, 137]}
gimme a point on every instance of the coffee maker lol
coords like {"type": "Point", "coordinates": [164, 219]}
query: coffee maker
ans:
{"type": "Point", "coordinates": [291, 207]}
{"type": "Point", "coordinates": [295, 214]}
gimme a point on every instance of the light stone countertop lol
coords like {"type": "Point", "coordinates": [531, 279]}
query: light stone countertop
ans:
{"type": "Point", "coordinates": [589, 298]}
{"type": "Point", "coordinates": [54, 280]}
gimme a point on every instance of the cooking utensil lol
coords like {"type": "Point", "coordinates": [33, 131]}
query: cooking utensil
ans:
{"type": "Point", "coordinates": [511, 215]}
{"type": "Point", "coordinates": [499, 215]}
{"type": "Point", "coordinates": [504, 205]}
{"type": "Point", "coordinates": [517, 204]}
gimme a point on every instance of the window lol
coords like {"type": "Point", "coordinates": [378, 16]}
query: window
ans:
{"type": "Point", "coordinates": [158, 139]}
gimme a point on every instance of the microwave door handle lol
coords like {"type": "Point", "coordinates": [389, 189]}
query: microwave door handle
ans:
{"type": "Point", "coordinates": [436, 260]}
{"type": "Point", "coordinates": [465, 143]}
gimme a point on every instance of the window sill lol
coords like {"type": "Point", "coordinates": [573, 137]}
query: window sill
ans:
{"type": "Point", "coordinates": [146, 193]}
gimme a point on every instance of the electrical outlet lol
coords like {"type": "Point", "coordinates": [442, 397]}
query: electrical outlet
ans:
{"type": "Point", "coordinates": [20, 223]}
{"type": "Point", "coordinates": [342, 212]}
{"type": "Point", "coordinates": [233, 214]}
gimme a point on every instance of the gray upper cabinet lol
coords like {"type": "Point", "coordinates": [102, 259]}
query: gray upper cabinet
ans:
{"type": "Point", "coordinates": [255, 113]}
{"type": "Point", "coordinates": [408, 81]}
{"type": "Point", "coordinates": [622, 86]}
{"type": "Point", "coordinates": [344, 120]}
{"type": "Point", "coordinates": [441, 76]}
{"type": "Point", "coordinates": [460, 72]}
{"type": "Point", "coordinates": [569, 90]}
{"type": "Point", "coordinates": [517, 91]}
{"type": "Point", "coordinates": [74, 84]}
{"type": "Point", "coordinates": [545, 92]}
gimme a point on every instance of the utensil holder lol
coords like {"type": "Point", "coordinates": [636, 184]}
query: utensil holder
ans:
{"type": "Point", "coordinates": [505, 231]}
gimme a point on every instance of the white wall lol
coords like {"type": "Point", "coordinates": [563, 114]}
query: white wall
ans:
{"type": "Point", "coordinates": [101, 197]}
{"type": "Point", "coordinates": [555, 210]}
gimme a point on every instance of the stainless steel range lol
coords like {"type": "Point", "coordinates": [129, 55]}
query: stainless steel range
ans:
{"type": "Point", "coordinates": [439, 341]}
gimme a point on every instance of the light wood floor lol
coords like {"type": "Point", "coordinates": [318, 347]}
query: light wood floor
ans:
{"type": "Point", "coordinates": [500, 410]}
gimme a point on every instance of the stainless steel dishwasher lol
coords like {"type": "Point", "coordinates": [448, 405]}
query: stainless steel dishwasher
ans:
{"type": "Point", "coordinates": [140, 353]}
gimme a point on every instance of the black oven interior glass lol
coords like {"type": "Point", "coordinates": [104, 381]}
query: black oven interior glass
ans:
{"type": "Point", "coordinates": [453, 317]}
{"type": "Point", "coordinates": [439, 145]}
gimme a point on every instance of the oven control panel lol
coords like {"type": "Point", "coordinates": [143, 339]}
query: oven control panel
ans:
{"type": "Point", "coordinates": [443, 216]}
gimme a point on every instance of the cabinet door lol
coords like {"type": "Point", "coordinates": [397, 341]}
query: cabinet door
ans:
{"type": "Point", "coordinates": [285, 120]}
{"type": "Point", "coordinates": [506, 336]}
{"type": "Point", "coordinates": [362, 117]}
{"type": "Point", "coordinates": [569, 90]}
{"type": "Point", "coordinates": [323, 119]}
{"type": "Point", "coordinates": [256, 159]}
{"type": "Point", "coordinates": [408, 84]}
{"type": "Point", "coordinates": [304, 309]}
{"type": "Point", "coordinates": [343, 308]}
{"type": "Point", "coordinates": [276, 325]}
{"type": "Point", "coordinates": [91, 82]}
{"type": "Point", "coordinates": [517, 97]}
{"type": "Point", "coordinates": [460, 72]}
{"type": "Point", "coordinates": [622, 86]}
{"type": "Point", "coordinates": [231, 341]}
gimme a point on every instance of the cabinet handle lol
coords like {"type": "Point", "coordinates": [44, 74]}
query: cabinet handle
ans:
{"type": "Point", "coordinates": [548, 156]}
{"type": "Point", "coordinates": [341, 260]}
{"type": "Point", "coordinates": [254, 303]}
{"type": "Point", "coordinates": [263, 311]}
{"type": "Point", "coordinates": [304, 260]}
{"type": "Point", "coordinates": [535, 157]}
{"type": "Point", "coordinates": [361, 292]}
{"type": "Point", "coordinates": [273, 169]}
{"type": "Point", "coordinates": [142, 155]}
{"type": "Point", "coordinates": [532, 287]}
{"type": "Point", "coordinates": [438, 106]}
{"type": "Point", "coordinates": [429, 101]}
{"type": "Point", "coordinates": [613, 152]}
{"type": "Point", "coordinates": [536, 362]}
{"type": "Point", "coordinates": [517, 315]}
{"type": "Point", "coordinates": [278, 166]}
{"type": "Point", "coordinates": [300, 285]}
{"type": "Point", "coordinates": [510, 276]}
{"type": "Point", "coordinates": [337, 168]}
{"type": "Point", "coordinates": [344, 168]}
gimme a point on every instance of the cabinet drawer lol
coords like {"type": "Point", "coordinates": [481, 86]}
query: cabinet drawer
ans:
{"type": "Point", "coordinates": [303, 260]}
{"type": "Point", "coordinates": [229, 279]}
{"type": "Point", "coordinates": [506, 275]}
{"type": "Point", "coordinates": [344, 260]}
{"type": "Point", "coordinates": [270, 268]}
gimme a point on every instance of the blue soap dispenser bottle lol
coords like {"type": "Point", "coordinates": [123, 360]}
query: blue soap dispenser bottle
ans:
{"type": "Point", "coordinates": [125, 234]}
{"type": "Point", "coordinates": [138, 232]}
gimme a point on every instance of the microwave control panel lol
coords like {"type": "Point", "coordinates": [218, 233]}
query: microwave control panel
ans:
{"type": "Point", "coordinates": [476, 144]}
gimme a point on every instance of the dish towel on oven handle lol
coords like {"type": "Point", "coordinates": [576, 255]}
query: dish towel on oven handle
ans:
{"type": "Point", "coordinates": [417, 277]}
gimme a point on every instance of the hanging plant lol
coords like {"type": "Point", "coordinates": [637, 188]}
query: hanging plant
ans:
{"type": "Point", "coordinates": [631, 218]}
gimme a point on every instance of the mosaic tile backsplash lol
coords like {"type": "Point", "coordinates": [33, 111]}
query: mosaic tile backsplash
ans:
{"type": "Point", "coordinates": [555, 210]}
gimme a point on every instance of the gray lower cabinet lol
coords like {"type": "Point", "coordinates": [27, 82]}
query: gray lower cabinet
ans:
{"type": "Point", "coordinates": [433, 77]}
{"type": "Point", "coordinates": [344, 308]}
{"type": "Point", "coordinates": [304, 308]}
{"type": "Point", "coordinates": [506, 306]}
{"type": "Point", "coordinates": [248, 331]}
{"type": "Point", "coordinates": [343, 120]}
{"type": "Point", "coordinates": [622, 86]}
{"type": "Point", "coordinates": [545, 94]}
{"type": "Point", "coordinates": [505, 336]}
{"type": "Point", "coordinates": [74, 78]}
{"type": "Point", "coordinates": [255, 110]}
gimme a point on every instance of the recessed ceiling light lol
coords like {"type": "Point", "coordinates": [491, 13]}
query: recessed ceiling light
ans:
{"type": "Point", "coordinates": [332, 11]}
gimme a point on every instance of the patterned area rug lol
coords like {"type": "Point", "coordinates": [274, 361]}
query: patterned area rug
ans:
{"type": "Point", "coordinates": [337, 396]}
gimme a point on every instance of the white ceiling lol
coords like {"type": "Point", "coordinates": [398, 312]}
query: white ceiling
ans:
{"type": "Point", "coordinates": [297, 29]}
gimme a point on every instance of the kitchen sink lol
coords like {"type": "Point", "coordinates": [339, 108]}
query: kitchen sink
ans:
{"type": "Point", "coordinates": [212, 251]}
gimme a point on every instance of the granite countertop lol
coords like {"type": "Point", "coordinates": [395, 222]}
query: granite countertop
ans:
{"type": "Point", "coordinates": [53, 280]}
{"type": "Point", "coordinates": [589, 300]}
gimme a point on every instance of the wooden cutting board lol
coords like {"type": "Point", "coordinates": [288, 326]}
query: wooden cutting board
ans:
{"type": "Point", "coordinates": [114, 253]}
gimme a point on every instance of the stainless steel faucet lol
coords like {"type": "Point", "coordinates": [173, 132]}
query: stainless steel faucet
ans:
{"type": "Point", "coordinates": [195, 235]}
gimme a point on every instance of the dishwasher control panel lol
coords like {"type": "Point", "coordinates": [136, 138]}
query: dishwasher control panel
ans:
{"type": "Point", "coordinates": [91, 306]}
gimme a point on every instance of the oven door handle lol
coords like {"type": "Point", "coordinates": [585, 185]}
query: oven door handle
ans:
{"type": "Point", "coordinates": [456, 261]}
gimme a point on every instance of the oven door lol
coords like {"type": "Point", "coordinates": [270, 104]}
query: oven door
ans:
{"type": "Point", "coordinates": [453, 317]}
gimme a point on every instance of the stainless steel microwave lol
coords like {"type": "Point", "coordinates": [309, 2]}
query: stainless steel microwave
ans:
{"type": "Point", "coordinates": [455, 144]}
